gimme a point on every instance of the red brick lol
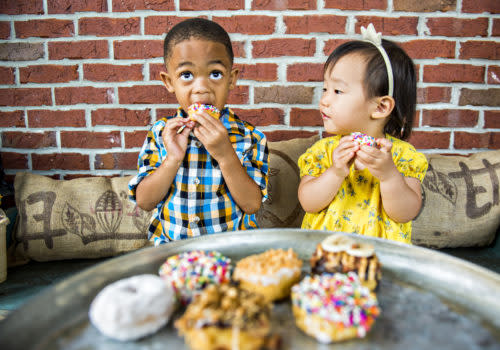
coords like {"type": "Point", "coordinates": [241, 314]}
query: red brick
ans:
{"type": "Point", "coordinates": [155, 69]}
{"type": "Point", "coordinates": [306, 24]}
{"type": "Point", "coordinates": [258, 72]}
{"type": "Point", "coordinates": [164, 112]}
{"type": "Point", "coordinates": [433, 94]}
{"type": "Point", "coordinates": [12, 119]}
{"type": "Point", "coordinates": [450, 118]}
{"type": "Point", "coordinates": [453, 73]}
{"type": "Point", "coordinates": [239, 95]}
{"type": "Point", "coordinates": [4, 30]}
{"type": "Point", "coordinates": [84, 94]}
{"type": "Point", "coordinates": [73, 6]}
{"type": "Point", "coordinates": [111, 72]}
{"type": "Point", "coordinates": [479, 97]}
{"type": "Point", "coordinates": [492, 119]}
{"type": "Point", "coordinates": [25, 97]}
{"type": "Point", "coordinates": [284, 94]}
{"type": "Point", "coordinates": [78, 49]}
{"type": "Point", "coordinates": [64, 161]}
{"type": "Point", "coordinates": [21, 7]}
{"type": "Point", "coordinates": [496, 27]}
{"type": "Point", "coordinates": [135, 139]}
{"type": "Point", "coordinates": [424, 5]}
{"type": "Point", "coordinates": [7, 75]}
{"type": "Point", "coordinates": [138, 49]}
{"type": "Point", "coordinates": [305, 72]}
{"type": "Point", "coordinates": [109, 26]}
{"type": "Point", "coordinates": [331, 45]}
{"type": "Point", "coordinates": [133, 5]}
{"type": "Point", "coordinates": [389, 25]}
{"type": "Point", "coordinates": [282, 135]}
{"type": "Point", "coordinates": [460, 27]}
{"type": "Point", "coordinates": [421, 49]}
{"type": "Point", "coordinates": [305, 117]}
{"type": "Point", "coordinates": [494, 75]}
{"type": "Point", "coordinates": [239, 49]}
{"type": "Point", "coordinates": [48, 74]}
{"type": "Point", "coordinates": [31, 140]}
{"type": "Point", "coordinates": [465, 140]}
{"type": "Point", "coordinates": [283, 47]}
{"type": "Point", "coordinates": [13, 160]}
{"type": "Point", "coordinates": [44, 28]}
{"type": "Point", "coordinates": [50, 119]}
{"type": "Point", "coordinates": [356, 4]}
{"type": "Point", "coordinates": [21, 51]}
{"type": "Point", "coordinates": [480, 49]}
{"type": "Point", "coordinates": [430, 139]}
{"type": "Point", "coordinates": [251, 25]}
{"type": "Point", "coordinates": [480, 6]}
{"type": "Point", "coordinates": [156, 25]}
{"type": "Point", "coordinates": [116, 161]}
{"type": "Point", "coordinates": [210, 5]}
{"type": "Point", "coordinates": [121, 117]}
{"type": "Point", "coordinates": [279, 5]}
{"type": "Point", "coordinates": [261, 116]}
{"type": "Point", "coordinates": [150, 94]}
{"type": "Point", "coordinates": [86, 139]}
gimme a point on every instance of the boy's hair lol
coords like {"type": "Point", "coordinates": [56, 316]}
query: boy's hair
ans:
{"type": "Point", "coordinates": [400, 121]}
{"type": "Point", "coordinates": [197, 28]}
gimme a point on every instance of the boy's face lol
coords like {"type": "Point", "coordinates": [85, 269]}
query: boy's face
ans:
{"type": "Point", "coordinates": [199, 71]}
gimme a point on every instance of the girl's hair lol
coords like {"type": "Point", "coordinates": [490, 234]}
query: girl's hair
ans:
{"type": "Point", "coordinates": [376, 82]}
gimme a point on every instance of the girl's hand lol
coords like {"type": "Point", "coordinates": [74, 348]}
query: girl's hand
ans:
{"type": "Point", "coordinates": [343, 156]}
{"type": "Point", "coordinates": [378, 160]}
{"type": "Point", "coordinates": [213, 135]}
{"type": "Point", "coordinates": [176, 143]}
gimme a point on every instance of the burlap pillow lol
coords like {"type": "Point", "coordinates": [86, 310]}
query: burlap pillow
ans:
{"type": "Point", "coordinates": [4, 221]}
{"type": "Point", "coordinates": [81, 218]}
{"type": "Point", "coordinates": [461, 201]}
{"type": "Point", "coordinates": [282, 208]}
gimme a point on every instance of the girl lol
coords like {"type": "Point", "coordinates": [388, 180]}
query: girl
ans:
{"type": "Point", "coordinates": [369, 87]}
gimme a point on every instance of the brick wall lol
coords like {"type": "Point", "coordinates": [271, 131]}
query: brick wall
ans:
{"type": "Point", "coordinates": [79, 79]}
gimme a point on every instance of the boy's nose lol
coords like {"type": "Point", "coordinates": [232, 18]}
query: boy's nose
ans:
{"type": "Point", "coordinates": [200, 85]}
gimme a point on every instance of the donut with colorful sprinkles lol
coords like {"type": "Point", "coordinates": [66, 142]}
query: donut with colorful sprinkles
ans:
{"type": "Point", "coordinates": [333, 308]}
{"type": "Point", "coordinates": [363, 139]}
{"type": "Point", "coordinates": [197, 107]}
{"type": "Point", "coordinates": [190, 272]}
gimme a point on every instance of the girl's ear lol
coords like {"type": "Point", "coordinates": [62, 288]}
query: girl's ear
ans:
{"type": "Point", "coordinates": [167, 81]}
{"type": "Point", "coordinates": [385, 105]}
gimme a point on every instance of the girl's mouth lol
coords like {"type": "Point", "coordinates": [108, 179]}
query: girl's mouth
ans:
{"type": "Point", "coordinates": [324, 116]}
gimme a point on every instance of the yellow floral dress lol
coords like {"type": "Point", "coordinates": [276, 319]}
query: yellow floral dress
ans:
{"type": "Point", "coordinates": [357, 207]}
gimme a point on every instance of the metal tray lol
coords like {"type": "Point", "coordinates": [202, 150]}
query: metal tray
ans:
{"type": "Point", "coordinates": [428, 299]}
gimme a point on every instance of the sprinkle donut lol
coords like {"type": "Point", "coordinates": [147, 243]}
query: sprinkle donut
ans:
{"type": "Point", "coordinates": [363, 139]}
{"type": "Point", "coordinates": [334, 308]}
{"type": "Point", "coordinates": [189, 273]}
{"type": "Point", "coordinates": [133, 307]}
{"type": "Point", "coordinates": [197, 107]}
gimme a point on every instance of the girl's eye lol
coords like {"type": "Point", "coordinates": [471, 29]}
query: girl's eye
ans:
{"type": "Point", "coordinates": [216, 75]}
{"type": "Point", "coordinates": [337, 92]}
{"type": "Point", "coordinates": [186, 76]}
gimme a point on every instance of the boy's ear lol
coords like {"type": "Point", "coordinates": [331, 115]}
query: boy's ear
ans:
{"type": "Point", "coordinates": [385, 105]}
{"type": "Point", "coordinates": [167, 81]}
{"type": "Point", "coordinates": [233, 78]}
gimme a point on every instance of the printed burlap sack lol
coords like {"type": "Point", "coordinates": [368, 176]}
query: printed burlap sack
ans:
{"type": "Point", "coordinates": [80, 218]}
{"type": "Point", "coordinates": [4, 221]}
{"type": "Point", "coordinates": [282, 208]}
{"type": "Point", "coordinates": [461, 201]}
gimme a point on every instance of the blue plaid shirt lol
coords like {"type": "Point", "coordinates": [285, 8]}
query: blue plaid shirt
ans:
{"type": "Point", "coordinates": [199, 201]}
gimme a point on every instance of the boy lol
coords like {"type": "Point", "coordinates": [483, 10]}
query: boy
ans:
{"type": "Point", "coordinates": [211, 176]}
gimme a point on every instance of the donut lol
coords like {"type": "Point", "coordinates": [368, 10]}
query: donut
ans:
{"type": "Point", "coordinates": [334, 307]}
{"type": "Point", "coordinates": [133, 307]}
{"type": "Point", "coordinates": [192, 271]}
{"type": "Point", "coordinates": [226, 317]}
{"type": "Point", "coordinates": [338, 253]}
{"type": "Point", "coordinates": [363, 139]}
{"type": "Point", "coordinates": [271, 273]}
{"type": "Point", "coordinates": [197, 107]}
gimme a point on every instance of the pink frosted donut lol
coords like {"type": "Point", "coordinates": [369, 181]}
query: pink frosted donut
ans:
{"type": "Point", "coordinates": [363, 139]}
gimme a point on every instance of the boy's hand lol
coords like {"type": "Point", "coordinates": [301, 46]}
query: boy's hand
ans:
{"type": "Point", "coordinates": [213, 135]}
{"type": "Point", "coordinates": [378, 160]}
{"type": "Point", "coordinates": [343, 156]}
{"type": "Point", "coordinates": [176, 143]}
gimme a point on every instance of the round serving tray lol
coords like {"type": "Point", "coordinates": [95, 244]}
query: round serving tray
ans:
{"type": "Point", "coordinates": [428, 299]}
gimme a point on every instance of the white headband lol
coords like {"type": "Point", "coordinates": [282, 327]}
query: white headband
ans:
{"type": "Point", "coordinates": [370, 35]}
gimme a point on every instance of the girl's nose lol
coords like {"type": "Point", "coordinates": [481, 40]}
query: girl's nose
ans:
{"type": "Point", "coordinates": [323, 101]}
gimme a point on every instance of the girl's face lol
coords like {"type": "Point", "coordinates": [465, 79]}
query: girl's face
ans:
{"type": "Point", "coordinates": [343, 105]}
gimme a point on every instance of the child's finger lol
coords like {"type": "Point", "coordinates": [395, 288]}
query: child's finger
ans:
{"type": "Point", "coordinates": [385, 144]}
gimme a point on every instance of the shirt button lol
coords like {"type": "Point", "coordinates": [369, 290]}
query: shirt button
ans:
{"type": "Point", "coordinates": [196, 219]}
{"type": "Point", "coordinates": [196, 181]}
{"type": "Point", "coordinates": [197, 144]}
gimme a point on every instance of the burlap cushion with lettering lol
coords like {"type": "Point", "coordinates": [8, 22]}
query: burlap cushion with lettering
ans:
{"type": "Point", "coordinates": [282, 208]}
{"type": "Point", "coordinates": [461, 201]}
{"type": "Point", "coordinates": [80, 218]}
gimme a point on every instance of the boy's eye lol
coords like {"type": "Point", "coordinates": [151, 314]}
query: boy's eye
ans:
{"type": "Point", "coordinates": [186, 76]}
{"type": "Point", "coordinates": [216, 75]}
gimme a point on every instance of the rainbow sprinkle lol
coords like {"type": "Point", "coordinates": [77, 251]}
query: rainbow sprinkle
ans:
{"type": "Point", "coordinates": [338, 298]}
{"type": "Point", "coordinates": [363, 139]}
{"type": "Point", "coordinates": [212, 110]}
{"type": "Point", "coordinates": [192, 271]}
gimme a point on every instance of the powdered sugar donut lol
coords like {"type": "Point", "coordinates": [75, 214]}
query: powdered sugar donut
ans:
{"type": "Point", "coordinates": [133, 307]}
{"type": "Point", "coordinates": [363, 139]}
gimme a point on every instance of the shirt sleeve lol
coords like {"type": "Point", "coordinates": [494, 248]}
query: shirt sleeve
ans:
{"type": "Point", "coordinates": [150, 157]}
{"type": "Point", "coordinates": [256, 162]}
{"type": "Point", "coordinates": [411, 163]}
{"type": "Point", "coordinates": [315, 160]}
